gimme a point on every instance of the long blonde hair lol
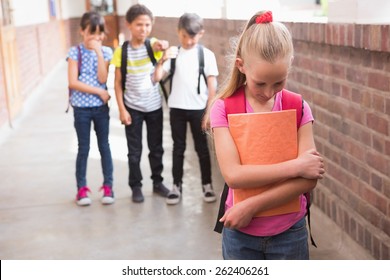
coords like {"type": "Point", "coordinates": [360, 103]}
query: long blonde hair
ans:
{"type": "Point", "coordinates": [266, 41]}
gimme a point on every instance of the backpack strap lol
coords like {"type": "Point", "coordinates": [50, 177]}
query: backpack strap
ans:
{"type": "Point", "coordinates": [201, 69]}
{"type": "Point", "coordinates": [79, 68]}
{"type": "Point", "coordinates": [124, 64]}
{"type": "Point", "coordinates": [291, 100]}
{"type": "Point", "coordinates": [170, 74]}
{"type": "Point", "coordinates": [150, 51]}
{"type": "Point", "coordinates": [201, 66]}
{"type": "Point", "coordinates": [154, 62]}
{"type": "Point", "coordinates": [221, 211]}
{"type": "Point", "coordinates": [234, 104]}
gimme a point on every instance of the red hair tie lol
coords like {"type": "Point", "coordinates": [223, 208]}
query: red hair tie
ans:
{"type": "Point", "coordinates": [264, 18]}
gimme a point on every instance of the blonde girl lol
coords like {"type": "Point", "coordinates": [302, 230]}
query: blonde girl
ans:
{"type": "Point", "coordinates": [263, 58]}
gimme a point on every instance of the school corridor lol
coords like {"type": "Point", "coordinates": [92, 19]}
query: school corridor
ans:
{"type": "Point", "coordinates": [39, 218]}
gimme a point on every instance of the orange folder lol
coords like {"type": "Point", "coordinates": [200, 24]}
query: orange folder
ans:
{"type": "Point", "coordinates": [265, 138]}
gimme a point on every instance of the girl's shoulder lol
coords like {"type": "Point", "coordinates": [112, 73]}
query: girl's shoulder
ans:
{"type": "Point", "coordinates": [73, 52]}
{"type": "Point", "coordinates": [107, 49]}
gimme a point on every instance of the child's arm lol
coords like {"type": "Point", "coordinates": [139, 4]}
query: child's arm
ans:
{"type": "Point", "coordinates": [212, 89]}
{"type": "Point", "coordinates": [308, 165]}
{"type": "Point", "coordinates": [159, 73]}
{"type": "Point", "coordinates": [74, 83]}
{"type": "Point", "coordinates": [124, 115]}
{"type": "Point", "coordinates": [160, 45]}
{"type": "Point", "coordinates": [241, 213]}
{"type": "Point", "coordinates": [102, 70]}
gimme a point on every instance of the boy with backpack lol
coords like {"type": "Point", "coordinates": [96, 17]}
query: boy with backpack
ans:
{"type": "Point", "coordinates": [139, 100]}
{"type": "Point", "coordinates": [193, 84]}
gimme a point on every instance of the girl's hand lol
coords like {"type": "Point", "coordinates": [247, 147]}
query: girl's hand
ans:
{"type": "Point", "coordinates": [95, 45]}
{"type": "Point", "coordinates": [310, 165]}
{"type": "Point", "coordinates": [238, 216]}
{"type": "Point", "coordinates": [104, 96]}
{"type": "Point", "coordinates": [125, 117]}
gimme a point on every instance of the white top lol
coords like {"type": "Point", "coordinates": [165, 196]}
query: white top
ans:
{"type": "Point", "coordinates": [184, 93]}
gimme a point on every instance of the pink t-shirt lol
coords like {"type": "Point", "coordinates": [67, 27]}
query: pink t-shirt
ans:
{"type": "Point", "coordinates": [262, 226]}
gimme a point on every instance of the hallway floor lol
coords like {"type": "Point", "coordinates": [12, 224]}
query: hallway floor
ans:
{"type": "Point", "coordinates": [40, 220]}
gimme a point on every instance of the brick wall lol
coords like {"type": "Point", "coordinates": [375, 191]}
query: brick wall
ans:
{"type": "Point", "coordinates": [343, 71]}
{"type": "Point", "coordinates": [3, 102]}
{"type": "Point", "coordinates": [40, 47]}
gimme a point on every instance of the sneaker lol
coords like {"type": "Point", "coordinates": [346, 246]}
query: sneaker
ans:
{"type": "Point", "coordinates": [160, 189]}
{"type": "Point", "coordinates": [208, 193]}
{"type": "Point", "coordinates": [108, 195]}
{"type": "Point", "coordinates": [174, 195]}
{"type": "Point", "coordinates": [82, 198]}
{"type": "Point", "coordinates": [137, 195]}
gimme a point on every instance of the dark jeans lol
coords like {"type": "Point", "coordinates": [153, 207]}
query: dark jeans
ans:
{"type": "Point", "coordinates": [178, 120]}
{"type": "Point", "coordinates": [288, 245]}
{"type": "Point", "coordinates": [100, 117]}
{"type": "Point", "coordinates": [154, 125]}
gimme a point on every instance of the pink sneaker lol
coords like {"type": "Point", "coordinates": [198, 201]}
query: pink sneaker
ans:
{"type": "Point", "coordinates": [108, 195]}
{"type": "Point", "coordinates": [82, 198]}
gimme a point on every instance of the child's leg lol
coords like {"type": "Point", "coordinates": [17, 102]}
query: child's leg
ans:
{"type": "Point", "coordinates": [134, 145]}
{"type": "Point", "coordinates": [101, 125]}
{"type": "Point", "coordinates": [291, 244]}
{"type": "Point", "coordinates": [154, 127]}
{"type": "Point", "coordinates": [201, 146]}
{"type": "Point", "coordinates": [82, 124]}
{"type": "Point", "coordinates": [178, 120]}
{"type": "Point", "coordinates": [240, 246]}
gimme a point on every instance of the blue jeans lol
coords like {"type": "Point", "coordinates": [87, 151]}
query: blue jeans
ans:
{"type": "Point", "coordinates": [154, 126]}
{"type": "Point", "coordinates": [83, 118]}
{"type": "Point", "coordinates": [289, 245]}
{"type": "Point", "coordinates": [179, 119]}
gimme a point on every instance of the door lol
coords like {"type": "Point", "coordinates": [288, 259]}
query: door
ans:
{"type": "Point", "coordinates": [9, 62]}
{"type": "Point", "coordinates": [107, 8]}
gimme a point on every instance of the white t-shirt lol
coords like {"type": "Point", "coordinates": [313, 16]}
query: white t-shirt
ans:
{"type": "Point", "coordinates": [184, 93]}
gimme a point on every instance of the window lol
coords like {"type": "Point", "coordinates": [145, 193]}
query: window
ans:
{"type": "Point", "coordinates": [104, 7]}
{"type": "Point", "coordinates": [53, 9]}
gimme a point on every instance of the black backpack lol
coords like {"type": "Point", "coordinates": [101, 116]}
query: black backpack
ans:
{"type": "Point", "coordinates": [169, 78]}
{"type": "Point", "coordinates": [152, 59]}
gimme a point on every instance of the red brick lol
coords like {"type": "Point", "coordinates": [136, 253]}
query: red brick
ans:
{"type": "Point", "coordinates": [375, 37]}
{"type": "Point", "coordinates": [375, 199]}
{"type": "Point", "coordinates": [378, 103]}
{"type": "Point", "coordinates": [358, 42]}
{"type": "Point", "coordinates": [378, 123]}
{"type": "Point", "coordinates": [385, 35]}
{"type": "Point", "coordinates": [379, 81]}
{"type": "Point", "coordinates": [357, 76]}
{"type": "Point", "coordinates": [378, 162]}
{"type": "Point", "coordinates": [377, 182]}
{"type": "Point", "coordinates": [378, 143]}
{"type": "Point", "coordinates": [366, 37]}
{"type": "Point", "coordinates": [350, 35]}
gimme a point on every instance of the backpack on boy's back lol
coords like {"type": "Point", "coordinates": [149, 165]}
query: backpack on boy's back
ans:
{"type": "Point", "coordinates": [151, 57]}
{"type": "Point", "coordinates": [169, 77]}
{"type": "Point", "coordinates": [235, 104]}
